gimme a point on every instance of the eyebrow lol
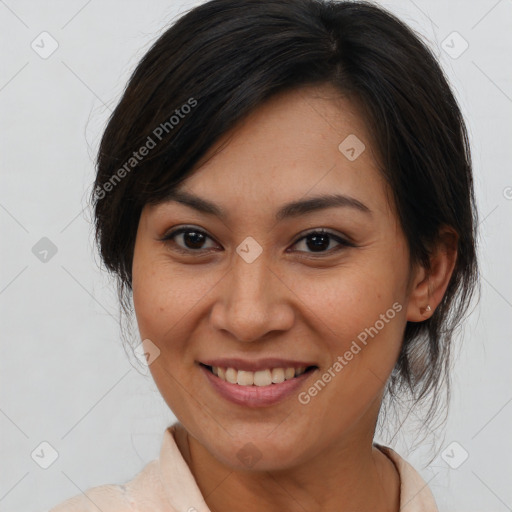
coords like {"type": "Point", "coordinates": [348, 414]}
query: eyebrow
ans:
{"type": "Point", "coordinates": [289, 210]}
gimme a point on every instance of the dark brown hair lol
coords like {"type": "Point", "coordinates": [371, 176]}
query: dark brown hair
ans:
{"type": "Point", "coordinates": [223, 59]}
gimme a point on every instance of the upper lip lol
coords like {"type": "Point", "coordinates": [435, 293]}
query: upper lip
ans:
{"type": "Point", "coordinates": [256, 365]}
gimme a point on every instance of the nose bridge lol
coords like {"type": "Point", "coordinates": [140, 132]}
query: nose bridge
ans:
{"type": "Point", "coordinates": [250, 278]}
{"type": "Point", "coordinates": [250, 270]}
{"type": "Point", "coordinates": [251, 304]}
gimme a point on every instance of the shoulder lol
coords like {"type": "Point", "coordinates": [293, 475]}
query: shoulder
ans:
{"type": "Point", "coordinates": [415, 494]}
{"type": "Point", "coordinates": [144, 488]}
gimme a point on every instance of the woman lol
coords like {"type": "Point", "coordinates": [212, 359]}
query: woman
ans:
{"type": "Point", "coordinates": [285, 194]}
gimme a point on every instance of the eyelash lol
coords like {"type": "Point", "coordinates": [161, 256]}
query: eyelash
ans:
{"type": "Point", "coordinates": [343, 242]}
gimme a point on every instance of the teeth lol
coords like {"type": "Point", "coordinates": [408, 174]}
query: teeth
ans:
{"type": "Point", "coordinates": [277, 375]}
{"type": "Point", "coordinates": [259, 378]}
{"type": "Point", "coordinates": [262, 378]}
{"type": "Point", "coordinates": [231, 375]}
{"type": "Point", "coordinates": [289, 373]}
{"type": "Point", "coordinates": [245, 378]}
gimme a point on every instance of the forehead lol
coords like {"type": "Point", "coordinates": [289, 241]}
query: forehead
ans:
{"type": "Point", "coordinates": [307, 141]}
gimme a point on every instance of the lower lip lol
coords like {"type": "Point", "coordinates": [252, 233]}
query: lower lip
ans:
{"type": "Point", "coordinates": [255, 396]}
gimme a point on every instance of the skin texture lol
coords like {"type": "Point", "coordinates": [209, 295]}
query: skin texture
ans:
{"type": "Point", "coordinates": [292, 302]}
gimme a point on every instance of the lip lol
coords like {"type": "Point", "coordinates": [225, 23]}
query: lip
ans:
{"type": "Point", "coordinates": [256, 396]}
{"type": "Point", "coordinates": [254, 366]}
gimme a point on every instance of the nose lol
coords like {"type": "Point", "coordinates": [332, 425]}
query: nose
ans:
{"type": "Point", "coordinates": [252, 301]}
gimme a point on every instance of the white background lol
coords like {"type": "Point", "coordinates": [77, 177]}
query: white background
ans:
{"type": "Point", "coordinates": [65, 378]}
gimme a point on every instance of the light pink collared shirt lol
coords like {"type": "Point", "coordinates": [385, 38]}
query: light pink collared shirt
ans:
{"type": "Point", "coordinates": [166, 484]}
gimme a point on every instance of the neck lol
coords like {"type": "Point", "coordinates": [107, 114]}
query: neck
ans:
{"type": "Point", "coordinates": [354, 475]}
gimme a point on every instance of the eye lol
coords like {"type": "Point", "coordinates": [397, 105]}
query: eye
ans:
{"type": "Point", "coordinates": [320, 240]}
{"type": "Point", "coordinates": [193, 239]}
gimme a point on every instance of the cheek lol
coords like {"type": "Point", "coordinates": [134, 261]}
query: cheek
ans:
{"type": "Point", "coordinates": [166, 296]}
{"type": "Point", "coordinates": [360, 318]}
{"type": "Point", "coordinates": [350, 300]}
{"type": "Point", "coordinates": [146, 302]}
{"type": "Point", "coordinates": [151, 297]}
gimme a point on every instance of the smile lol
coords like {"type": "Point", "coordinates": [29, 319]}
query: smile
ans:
{"type": "Point", "coordinates": [261, 388]}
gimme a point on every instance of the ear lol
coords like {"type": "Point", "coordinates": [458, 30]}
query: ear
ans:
{"type": "Point", "coordinates": [429, 286]}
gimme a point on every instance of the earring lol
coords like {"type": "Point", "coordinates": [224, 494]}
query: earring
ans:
{"type": "Point", "coordinates": [428, 309]}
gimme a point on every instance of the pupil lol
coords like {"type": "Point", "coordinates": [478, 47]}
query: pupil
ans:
{"type": "Point", "coordinates": [318, 242]}
{"type": "Point", "coordinates": [196, 239]}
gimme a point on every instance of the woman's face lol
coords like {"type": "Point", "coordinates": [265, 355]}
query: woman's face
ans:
{"type": "Point", "coordinates": [255, 290]}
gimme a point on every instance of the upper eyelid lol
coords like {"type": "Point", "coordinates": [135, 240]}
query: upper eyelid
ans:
{"type": "Point", "coordinates": [183, 229]}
